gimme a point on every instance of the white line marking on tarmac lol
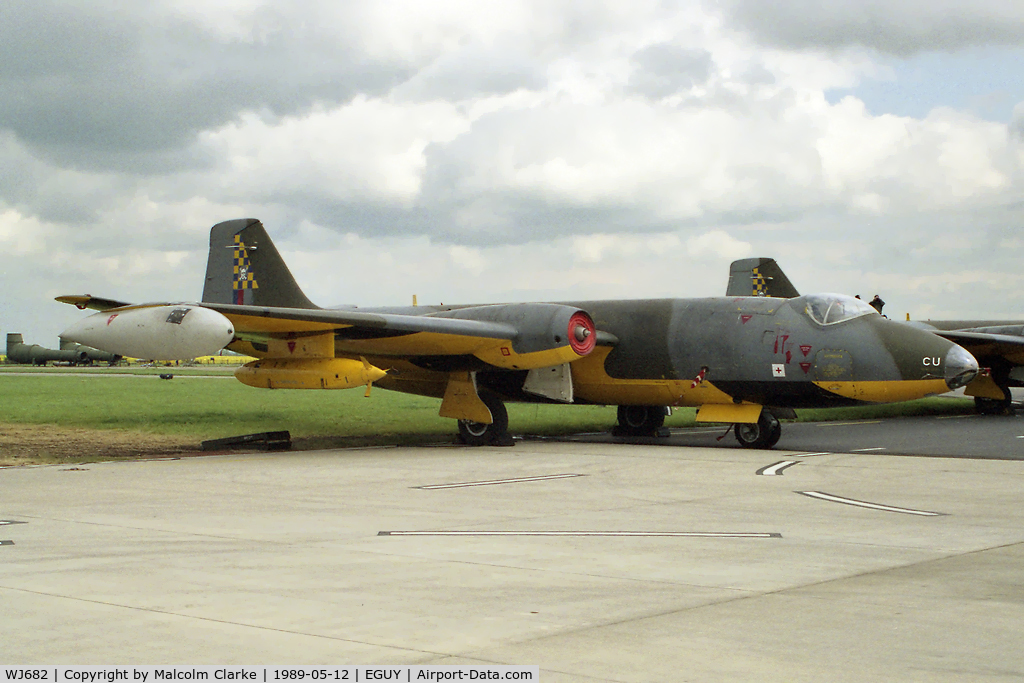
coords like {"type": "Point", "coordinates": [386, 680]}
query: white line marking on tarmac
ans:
{"type": "Point", "coordinates": [493, 482]}
{"type": "Point", "coordinates": [807, 455]}
{"type": "Point", "coordinates": [863, 450]}
{"type": "Point", "coordinates": [776, 469]}
{"type": "Point", "coordinates": [674, 534]}
{"type": "Point", "coordinates": [873, 506]}
{"type": "Point", "coordinates": [848, 424]}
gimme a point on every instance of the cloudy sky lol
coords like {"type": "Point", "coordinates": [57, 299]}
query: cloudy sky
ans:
{"type": "Point", "coordinates": [514, 151]}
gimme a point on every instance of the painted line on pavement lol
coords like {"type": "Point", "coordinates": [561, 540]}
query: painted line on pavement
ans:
{"type": "Point", "coordinates": [864, 504]}
{"type": "Point", "coordinates": [673, 534]}
{"type": "Point", "coordinates": [494, 482]}
{"type": "Point", "coordinates": [807, 455]}
{"type": "Point", "coordinates": [848, 424]}
{"type": "Point", "coordinates": [776, 469]}
{"type": "Point", "coordinates": [864, 450]}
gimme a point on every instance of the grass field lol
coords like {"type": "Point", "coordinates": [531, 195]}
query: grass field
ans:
{"type": "Point", "coordinates": [207, 403]}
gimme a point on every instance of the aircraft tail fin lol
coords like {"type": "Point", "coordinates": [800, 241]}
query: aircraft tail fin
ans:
{"type": "Point", "coordinates": [759, 277]}
{"type": "Point", "coordinates": [244, 267]}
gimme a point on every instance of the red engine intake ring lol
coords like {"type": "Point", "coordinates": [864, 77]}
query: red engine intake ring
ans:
{"type": "Point", "coordinates": [582, 333]}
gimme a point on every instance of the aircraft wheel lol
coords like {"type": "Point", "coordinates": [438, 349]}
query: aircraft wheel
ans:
{"type": "Point", "coordinates": [775, 434]}
{"type": "Point", "coordinates": [640, 420]}
{"type": "Point", "coordinates": [994, 406]}
{"type": "Point", "coordinates": [480, 434]}
{"type": "Point", "coordinates": [764, 433]}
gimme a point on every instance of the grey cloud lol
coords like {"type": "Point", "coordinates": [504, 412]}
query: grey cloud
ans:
{"type": "Point", "coordinates": [474, 71]}
{"type": "Point", "coordinates": [664, 69]}
{"type": "Point", "coordinates": [899, 27]}
{"type": "Point", "coordinates": [1017, 122]}
{"type": "Point", "coordinates": [757, 74]}
{"type": "Point", "coordinates": [105, 87]}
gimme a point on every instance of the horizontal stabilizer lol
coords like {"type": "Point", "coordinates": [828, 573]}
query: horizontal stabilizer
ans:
{"type": "Point", "coordinates": [84, 301]}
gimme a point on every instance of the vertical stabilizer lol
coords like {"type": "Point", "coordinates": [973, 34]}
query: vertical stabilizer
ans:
{"type": "Point", "coordinates": [14, 340]}
{"type": "Point", "coordinates": [244, 267]}
{"type": "Point", "coordinates": [759, 277]}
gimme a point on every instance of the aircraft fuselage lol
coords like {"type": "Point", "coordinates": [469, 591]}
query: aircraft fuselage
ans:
{"type": "Point", "coordinates": [691, 352]}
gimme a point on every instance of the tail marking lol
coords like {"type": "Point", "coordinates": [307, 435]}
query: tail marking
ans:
{"type": "Point", "coordinates": [760, 284]}
{"type": "Point", "coordinates": [244, 278]}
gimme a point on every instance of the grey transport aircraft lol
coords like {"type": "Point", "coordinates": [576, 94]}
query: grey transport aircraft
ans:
{"type": "Point", "coordinates": [69, 352]}
{"type": "Point", "coordinates": [997, 345]}
{"type": "Point", "coordinates": [743, 360]}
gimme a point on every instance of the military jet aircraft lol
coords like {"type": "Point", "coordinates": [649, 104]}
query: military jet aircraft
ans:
{"type": "Point", "coordinates": [744, 360]}
{"type": "Point", "coordinates": [34, 354]}
{"type": "Point", "coordinates": [998, 345]}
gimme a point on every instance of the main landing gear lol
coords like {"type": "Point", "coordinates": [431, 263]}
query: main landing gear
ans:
{"type": "Point", "coordinates": [640, 420]}
{"type": "Point", "coordinates": [482, 434]}
{"type": "Point", "coordinates": [995, 406]}
{"type": "Point", "coordinates": [764, 433]}
{"type": "Point", "coordinates": [1000, 379]}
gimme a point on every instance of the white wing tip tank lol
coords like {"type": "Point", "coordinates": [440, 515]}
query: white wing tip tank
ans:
{"type": "Point", "coordinates": [157, 332]}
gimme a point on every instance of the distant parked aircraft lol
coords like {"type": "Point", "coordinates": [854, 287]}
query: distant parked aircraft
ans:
{"type": "Point", "coordinates": [34, 354]}
{"type": "Point", "coordinates": [998, 345]}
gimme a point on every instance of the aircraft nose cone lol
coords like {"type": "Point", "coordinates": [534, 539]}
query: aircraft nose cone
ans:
{"type": "Point", "coordinates": [961, 367]}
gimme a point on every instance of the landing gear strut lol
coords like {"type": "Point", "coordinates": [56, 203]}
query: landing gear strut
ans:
{"type": "Point", "coordinates": [764, 433]}
{"type": "Point", "coordinates": [995, 406]}
{"type": "Point", "coordinates": [1000, 377]}
{"type": "Point", "coordinates": [640, 420]}
{"type": "Point", "coordinates": [482, 434]}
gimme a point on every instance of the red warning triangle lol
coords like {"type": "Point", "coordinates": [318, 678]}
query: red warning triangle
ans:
{"type": "Point", "coordinates": [806, 367]}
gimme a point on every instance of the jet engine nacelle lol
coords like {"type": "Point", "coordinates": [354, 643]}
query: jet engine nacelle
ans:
{"type": "Point", "coordinates": [547, 334]}
{"type": "Point", "coordinates": [155, 332]}
{"type": "Point", "coordinates": [308, 373]}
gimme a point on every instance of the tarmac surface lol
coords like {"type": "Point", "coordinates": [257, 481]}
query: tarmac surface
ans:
{"type": "Point", "coordinates": [969, 435]}
{"type": "Point", "coordinates": [596, 560]}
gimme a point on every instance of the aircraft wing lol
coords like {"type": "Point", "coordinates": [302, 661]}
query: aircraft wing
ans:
{"type": "Point", "coordinates": [987, 344]}
{"type": "Point", "coordinates": [270, 320]}
{"type": "Point", "coordinates": [510, 336]}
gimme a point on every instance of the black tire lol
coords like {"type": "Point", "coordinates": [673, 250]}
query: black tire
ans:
{"type": "Point", "coordinates": [640, 420]}
{"type": "Point", "coordinates": [775, 434]}
{"type": "Point", "coordinates": [481, 434]}
{"type": "Point", "coordinates": [995, 406]}
{"type": "Point", "coordinates": [762, 434]}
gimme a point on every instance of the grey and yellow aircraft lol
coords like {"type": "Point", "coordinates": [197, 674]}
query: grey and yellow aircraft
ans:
{"type": "Point", "coordinates": [69, 352]}
{"type": "Point", "coordinates": [997, 345]}
{"type": "Point", "coordinates": [744, 360]}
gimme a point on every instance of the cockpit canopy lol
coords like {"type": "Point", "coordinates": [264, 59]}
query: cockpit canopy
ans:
{"type": "Point", "coordinates": [829, 309]}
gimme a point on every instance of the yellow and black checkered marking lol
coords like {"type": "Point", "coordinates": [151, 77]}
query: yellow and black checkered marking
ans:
{"type": "Point", "coordinates": [242, 269]}
{"type": "Point", "coordinates": [760, 285]}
